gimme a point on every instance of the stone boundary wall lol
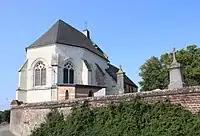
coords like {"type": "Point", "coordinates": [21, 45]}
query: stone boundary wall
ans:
{"type": "Point", "coordinates": [26, 116]}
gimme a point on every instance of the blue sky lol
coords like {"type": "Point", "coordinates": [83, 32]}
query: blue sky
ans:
{"type": "Point", "coordinates": [129, 31]}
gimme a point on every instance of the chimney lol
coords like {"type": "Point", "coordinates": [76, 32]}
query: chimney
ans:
{"type": "Point", "coordinates": [120, 80]}
{"type": "Point", "coordinates": [86, 32]}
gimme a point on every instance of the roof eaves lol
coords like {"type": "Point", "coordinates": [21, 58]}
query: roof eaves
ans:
{"type": "Point", "coordinates": [84, 48]}
{"type": "Point", "coordinates": [23, 66]}
{"type": "Point", "coordinates": [30, 47]}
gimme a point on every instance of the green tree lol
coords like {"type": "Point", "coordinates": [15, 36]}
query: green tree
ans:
{"type": "Point", "coordinates": [6, 116]}
{"type": "Point", "coordinates": [155, 73]}
{"type": "Point", "coordinates": [1, 116]}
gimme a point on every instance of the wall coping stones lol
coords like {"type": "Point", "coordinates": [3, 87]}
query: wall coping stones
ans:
{"type": "Point", "coordinates": [115, 98]}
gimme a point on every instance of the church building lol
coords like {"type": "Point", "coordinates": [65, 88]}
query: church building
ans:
{"type": "Point", "coordinates": [64, 63]}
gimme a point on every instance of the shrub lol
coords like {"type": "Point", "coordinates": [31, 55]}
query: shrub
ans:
{"type": "Point", "coordinates": [135, 118]}
{"type": "Point", "coordinates": [5, 116]}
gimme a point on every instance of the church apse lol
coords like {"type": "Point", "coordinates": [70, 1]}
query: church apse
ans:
{"type": "Point", "coordinates": [63, 58]}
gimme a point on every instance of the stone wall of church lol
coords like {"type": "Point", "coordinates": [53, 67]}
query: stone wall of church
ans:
{"type": "Point", "coordinates": [37, 95]}
{"type": "Point", "coordinates": [73, 54]}
{"type": "Point", "coordinates": [111, 85]}
{"type": "Point", "coordinates": [34, 55]}
{"type": "Point", "coordinates": [92, 59]}
{"type": "Point", "coordinates": [21, 95]}
{"type": "Point", "coordinates": [66, 92]}
{"type": "Point", "coordinates": [76, 55]}
{"type": "Point", "coordinates": [85, 74]}
{"type": "Point", "coordinates": [23, 79]}
{"type": "Point", "coordinates": [27, 92]}
{"type": "Point", "coordinates": [40, 95]}
{"type": "Point", "coordinates": [100, 77]}
{"type": "Point", "coordinates": [84, 91]}
{"type": "Point", "coordinates": [24, 117]}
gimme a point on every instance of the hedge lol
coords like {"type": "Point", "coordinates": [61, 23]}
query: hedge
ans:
{"type": "Point", "coordinates": [135, 118]}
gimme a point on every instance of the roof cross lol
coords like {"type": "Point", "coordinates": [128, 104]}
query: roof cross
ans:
{"type": "Point", "coordinates": [86, 25]}
{"type": "Point", "coordinates": [120, 66]}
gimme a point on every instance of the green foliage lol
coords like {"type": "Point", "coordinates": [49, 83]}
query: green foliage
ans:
{"type": "Point", "coordinates": [135, 118]}
{"type": "Point", "coordinates": [53, 125]}
{"type": "Point", "coordinates": [155, 75]}
{"type": "Point", "coordinates": [5, 116]}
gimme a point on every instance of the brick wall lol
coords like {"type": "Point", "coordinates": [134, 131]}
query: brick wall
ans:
{"type": "Point", "coordinates": [24, 117]}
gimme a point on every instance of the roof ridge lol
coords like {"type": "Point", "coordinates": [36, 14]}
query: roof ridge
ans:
{"type": "Point", "coordinates": [63, 33]}
{"type": "Point", "coordinates": [58, 30]}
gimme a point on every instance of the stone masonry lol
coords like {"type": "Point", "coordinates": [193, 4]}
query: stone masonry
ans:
{"type": "Point", "coordinates": [176, 74]}
{"type": "Point", "coordinates": [24, 117]}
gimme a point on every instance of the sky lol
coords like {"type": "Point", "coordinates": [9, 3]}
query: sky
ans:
{"type": "Point", "coordinates": [128, 31]}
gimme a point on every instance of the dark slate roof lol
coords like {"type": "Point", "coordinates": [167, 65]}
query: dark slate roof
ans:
{"type": "Point", "coordinates": [112, 71]}
{"type": "Point", "coordinates": [63, 33]}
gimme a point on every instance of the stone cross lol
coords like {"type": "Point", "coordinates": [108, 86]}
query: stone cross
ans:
{"type": "Point", "coordinates": [120, 80]}
{"type": "Point", "coordinates": [175, 73]}
{"type": "Point", "coordinates": [174, 55]}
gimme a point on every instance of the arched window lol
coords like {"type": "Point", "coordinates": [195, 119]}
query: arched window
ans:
{"type": "Point", "coordinates": [90, 94]}
{"type": "Point", "coordinates": [66, 95]}
{"type": "Point", "coordinates": [39, 74]}
{"type": "Point", "coordinates": [68, 73]}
